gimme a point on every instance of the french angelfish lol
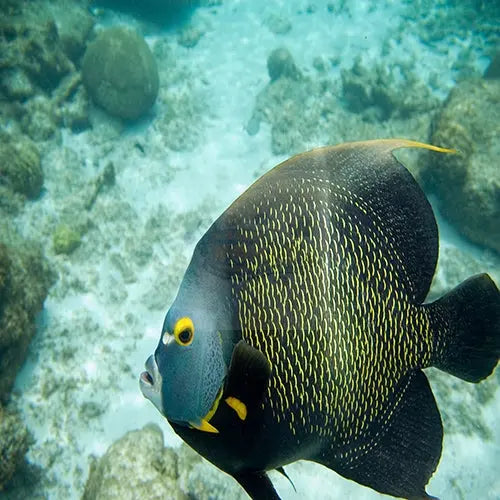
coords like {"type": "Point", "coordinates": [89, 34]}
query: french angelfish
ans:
{"type": "Point", "coordinates": [300, 331]}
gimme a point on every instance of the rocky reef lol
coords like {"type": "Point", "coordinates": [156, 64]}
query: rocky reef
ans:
{"type": "Point", "coordinates": [384, 91]}
{"type": "Point", "coordinates": [120, 73]}
{"type": "Point", "coordinates": [24, 282]}
{"type": "Point", "coordinates": [305, 110]}
{"type": "Point", "coordinates": [14, 440]}
{"type": "Point", "coordinates": [138, 465]}
{"type": "Point", "coordinates": [40, 50]}
{"type": "Point", "coordinates": [20, 169]}
{"type": "Point", "coordinates": [468, 183]}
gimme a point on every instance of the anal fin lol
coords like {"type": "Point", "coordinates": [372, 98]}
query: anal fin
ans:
{"type": "Point", "coordinates": [401, 452]}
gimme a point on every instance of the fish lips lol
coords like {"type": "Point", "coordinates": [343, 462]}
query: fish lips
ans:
{"type": "Point", "coordinates": [150, 382]}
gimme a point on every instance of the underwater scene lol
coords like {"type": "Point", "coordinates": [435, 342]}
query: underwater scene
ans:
{"type": "Point", "coordinates": [179, 320]}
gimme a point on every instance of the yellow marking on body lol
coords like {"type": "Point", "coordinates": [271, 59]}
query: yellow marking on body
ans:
{"type": "Point", "coordinates": [215, 405]}
{"type": "Point", "coordinates": [238, 406]}
{"type": "Point", "coordinates": [204, 426]}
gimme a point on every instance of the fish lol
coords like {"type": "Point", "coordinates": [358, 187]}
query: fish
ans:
{"type": "Point", "coordinates": [301, 331]}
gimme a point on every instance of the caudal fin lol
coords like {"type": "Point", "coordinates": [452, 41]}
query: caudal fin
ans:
{"type": "Point", "coordinates": [466, 325]}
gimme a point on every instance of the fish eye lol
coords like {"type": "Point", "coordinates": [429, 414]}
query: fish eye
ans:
{"type": "Point", "coordinates": [184, 331]}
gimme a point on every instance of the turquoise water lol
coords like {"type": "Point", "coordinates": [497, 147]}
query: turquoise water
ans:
{"type": "Point", "coordinates": [124, 202]}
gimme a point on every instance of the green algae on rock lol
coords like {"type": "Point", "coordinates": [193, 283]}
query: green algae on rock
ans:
{"type": "Point", "coordinates": [468, 184]}
{"type": "Point", "coordinates": [26, 279]}
{"type": "Point", "coordinates": [65, 239]}
{"type": "Point", "coordinates": [120, 73]}
{"type": "Point", "coordinates": [13, 444]}
{"type": "Point", "coordinates": [20, 168]}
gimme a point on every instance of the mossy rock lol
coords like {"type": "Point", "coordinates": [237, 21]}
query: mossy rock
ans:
{"type": "Point", "coordinates": [135, 466]}
{"type": "Point", "coordinates": [467, 184]}
{"type": "Point", "coordinates": [120, 73]}
{"type": "Point", "coordinates": [20, 168]}
{"type": "Point", "coordinates": [31, 54]}
{"type": "Point", "coordinates": [25, 278]}
{"type": "Point", "coordinates": [4, 272]}
{"type": "Point", "coordinates": [65, 239]}
{"type": "Point", "coordinates": [13, 444]}
{"type": "Point", "coordinates": [381, 92]}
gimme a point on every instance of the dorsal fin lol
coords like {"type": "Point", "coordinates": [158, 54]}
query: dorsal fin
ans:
{"type": "Point", "coordinates": [365, 177]}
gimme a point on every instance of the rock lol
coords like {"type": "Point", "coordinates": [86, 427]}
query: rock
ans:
{"type": "Point", "coordinates": [25, 283]}
{"type": "Point", "coordinates": [468, 184]}
{"type": "Point", "coordinates": [75, 111]}
{"type": "Point", "coordinates": [13, 444]}
{"type": "Point", "coordinates": [135, 466]}
{"type": "Point", "coordinates": [74, 25]}
{"type": "Point", "coordinates": [294, 109]}
{"type": "Point", "coordinates": [20, 168]}
{"type": "Point", "coordinates": [120, 73]}
{"type": "Point", "coordinates": [200, 479]}
{"type": "Point", "coordinates": [31, 47]}
{"type": "Point", "coordinates": [319, 64]}
{"type": "Point", "coordinates": [4, 271]}
{"type": "Point", "coordinates": [190, 36]}
{"type": "Point", "coordinates": [277, 24]}
{"type": "Point", "coordinates": [40, 118]}
{"type": "Point", "coordinates": [164, 12]}
{"type": "Point", "coordinates": [40, 49]}
{"type": "Point", "coordinates": [139, 466]}
{"type": "Point", "coordinates": [65, 239]}
{"type": "Point", "coordinates": [280, 64]}
{"type": "Point", "coordinates": [493, 69]}
{"type": "Point", "coordinates": [378, 94]}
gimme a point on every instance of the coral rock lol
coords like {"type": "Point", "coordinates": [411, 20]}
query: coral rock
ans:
{"type": "Point", "coordinates": [120, 73]}
{"type": "Point", "coordinates": [280, 64]}
{"type": "Point", "coordinates": [20, 168]}
{"type": "Point", "coordinates": [135, 466]}
{"type": "Point", "coordinates": [468, 183]}
{"type": "Point", "coordinates": [13, 444]}
{"type": "Point", "coordinates": [25, 279]}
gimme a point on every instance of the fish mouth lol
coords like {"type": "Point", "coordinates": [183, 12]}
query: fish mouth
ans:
{"type": "Point", "coordinates": [146, 379]}
{"type": "Point", "coordinates": [150, 382]}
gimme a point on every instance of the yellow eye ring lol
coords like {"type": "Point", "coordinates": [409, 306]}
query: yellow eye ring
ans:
{"type": "Point", "coordinates": [184, 331]}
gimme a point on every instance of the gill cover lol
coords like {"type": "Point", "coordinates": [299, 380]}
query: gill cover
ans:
{"type": "Point", "coordinates": [190, 361]}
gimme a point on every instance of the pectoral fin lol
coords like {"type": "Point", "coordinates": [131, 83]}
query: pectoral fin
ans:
{"type": "Point", "coordinates": [247, 379]}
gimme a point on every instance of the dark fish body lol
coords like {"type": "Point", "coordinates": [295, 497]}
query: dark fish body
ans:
{"type": "Point", "coordinates": [316, 277]}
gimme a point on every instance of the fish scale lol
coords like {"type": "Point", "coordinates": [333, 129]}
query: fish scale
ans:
{"type": "Point", "coordinates": [257, 295]}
